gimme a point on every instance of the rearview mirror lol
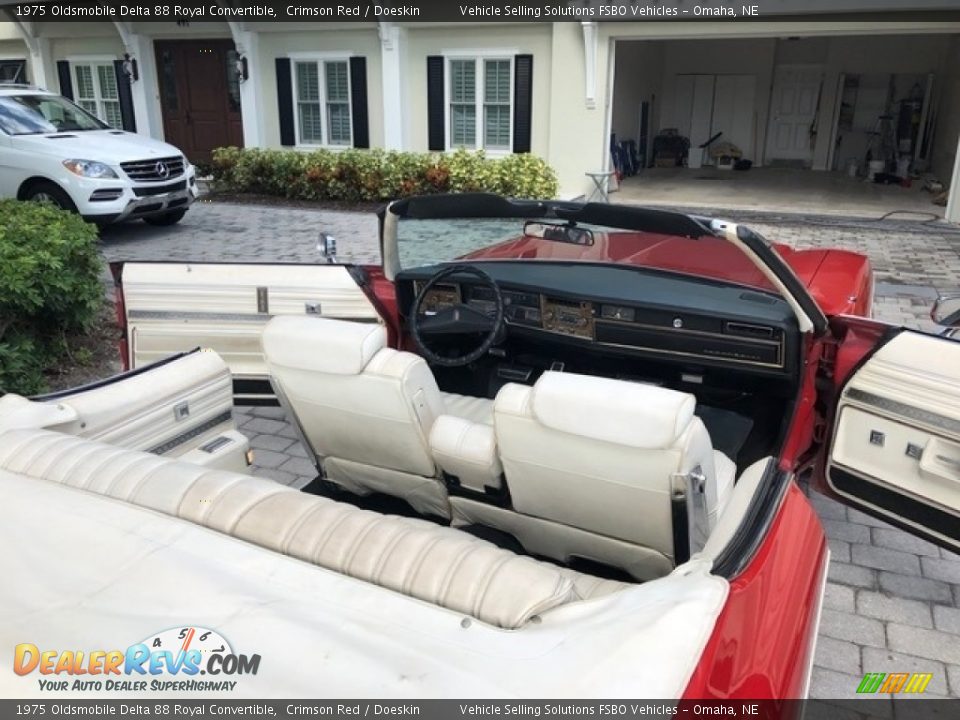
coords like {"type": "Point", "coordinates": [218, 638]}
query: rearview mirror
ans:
{"type": "Point", "coordinates": [558, 233]}
{"type": "Point", "coordinates": [946, 311]}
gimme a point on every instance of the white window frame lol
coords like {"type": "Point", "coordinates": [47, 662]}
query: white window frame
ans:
{"type": "Point", "coordinates": [479, 57]}
{"type": "Point", "coordinates": [320, 58]}
{"type": "Point", "coordinates": [93, 61]}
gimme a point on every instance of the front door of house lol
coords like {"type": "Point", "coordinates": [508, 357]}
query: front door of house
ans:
{"type": "Point", "coordinates": [793, 110]}
{"type": "Point", "coordinates": [199, 95]}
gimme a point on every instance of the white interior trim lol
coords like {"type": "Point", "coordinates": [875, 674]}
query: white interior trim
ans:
{"type": "Point", "coordinates": [391, 251]}
{"type": "Point", "coordinates": [803, 321]}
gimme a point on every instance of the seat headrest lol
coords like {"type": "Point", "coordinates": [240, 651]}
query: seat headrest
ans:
{"type": "Point", "coordinates": [337, 347]}
{"type": "Point", "coordinates": [617, 411]}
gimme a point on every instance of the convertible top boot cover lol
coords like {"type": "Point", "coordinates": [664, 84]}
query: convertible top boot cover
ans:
{"type": "Point", "coordinates": [440, 565]}
{"type": "Point", "coordinates": [84, 571]}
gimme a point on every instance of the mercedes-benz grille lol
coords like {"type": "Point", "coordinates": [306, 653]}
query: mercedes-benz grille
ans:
{"type": "Point", "coordinates": [154, 169]}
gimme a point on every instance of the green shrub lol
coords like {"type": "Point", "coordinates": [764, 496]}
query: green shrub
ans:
{"type": "Point", "coordinates": [378, 175]}
{"type": "Point", "coordinates": [49, 288]}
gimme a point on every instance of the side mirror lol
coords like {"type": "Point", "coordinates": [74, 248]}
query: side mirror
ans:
{"type": "Point", "coordinates": [946, 311]}
{"type": "Point", "coordinates": [327, 246]}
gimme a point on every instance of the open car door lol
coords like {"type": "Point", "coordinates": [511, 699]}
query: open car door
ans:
{"type": "Point", "coordinates": [168, 308]}
{"type": "Point", "coordinates": [894, 450]}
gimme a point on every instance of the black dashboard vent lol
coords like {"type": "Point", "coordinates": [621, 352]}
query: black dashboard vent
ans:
{"type": "Point", "coordinates": [749, 330]}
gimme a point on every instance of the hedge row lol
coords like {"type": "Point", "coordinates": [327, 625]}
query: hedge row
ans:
{"type": "Point", "coordinates": [50, 275]}
{"type": "Point", "coordinates": [378, 175]}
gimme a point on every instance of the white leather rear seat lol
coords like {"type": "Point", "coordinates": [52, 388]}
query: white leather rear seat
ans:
{"type": "Point", "coordinates": [436, 564]}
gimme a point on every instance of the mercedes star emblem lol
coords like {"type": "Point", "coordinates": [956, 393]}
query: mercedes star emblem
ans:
{"type": "Point", "coordinates": [162, 169]}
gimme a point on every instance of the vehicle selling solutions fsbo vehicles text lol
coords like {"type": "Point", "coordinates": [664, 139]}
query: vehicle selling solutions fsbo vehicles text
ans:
{"type": "Point", "coordinates": [601, 11]}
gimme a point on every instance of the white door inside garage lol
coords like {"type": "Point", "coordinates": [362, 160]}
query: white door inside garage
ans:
{"type": "Point", "coordinates": [711, 104]}
{"type": "Point", "coordinates": [793, 111]}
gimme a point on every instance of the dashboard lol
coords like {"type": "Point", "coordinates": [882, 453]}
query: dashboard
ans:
{"type": "Point", "coordinates": [628, 311]}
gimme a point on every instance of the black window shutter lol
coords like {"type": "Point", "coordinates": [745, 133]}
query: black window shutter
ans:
{"type": "Point", "coordinates": [288, 135]}
{"type": "Point", "coordinates": [66, 81]}
{"type": "Point", "coordinates": [522, 102]}
{"type": "Point", "coordinates": [127, 115]}
{"type": "Point", "coordinates": [436, 130]}
{"type": "Point", "coordinates": [358, 100]}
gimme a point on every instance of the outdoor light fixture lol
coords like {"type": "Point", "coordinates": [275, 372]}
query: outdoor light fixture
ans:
{"type": "Point", "coordinates": [243, 72]}
{"type": "Point", "coordinates": [130, 68]}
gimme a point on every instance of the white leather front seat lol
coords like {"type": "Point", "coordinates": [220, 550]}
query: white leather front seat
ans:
{"type": "Point", "coordinates": [607, 456]}
{"type": "Point", "coordinates": [366, 410]}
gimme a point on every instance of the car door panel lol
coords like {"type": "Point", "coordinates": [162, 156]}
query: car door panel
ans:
{"type": "Point", "coordinates": [172, 307]}
{"type": "Point", "coordinates": [895, 448]}
{"type": "Point", "coordinates": [179, 408]}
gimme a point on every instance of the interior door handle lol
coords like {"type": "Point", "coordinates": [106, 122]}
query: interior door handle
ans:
{"type": "Point", "coordinates": [948, 461]}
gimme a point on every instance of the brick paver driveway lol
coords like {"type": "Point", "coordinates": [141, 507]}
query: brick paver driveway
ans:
{"type": "Point", "coordinates": [892, 602]}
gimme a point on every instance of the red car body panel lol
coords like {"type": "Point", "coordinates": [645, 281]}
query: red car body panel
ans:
{"type": "Point", "coordinates": [762, 644]}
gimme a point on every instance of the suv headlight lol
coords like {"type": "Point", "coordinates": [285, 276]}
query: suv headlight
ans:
{"type": "Point", "coordinates": [89, 168]}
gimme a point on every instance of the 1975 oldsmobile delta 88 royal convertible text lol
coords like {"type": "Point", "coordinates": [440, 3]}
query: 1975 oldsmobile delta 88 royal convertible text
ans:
{"type": "Point", "coordinates": [562, 464]}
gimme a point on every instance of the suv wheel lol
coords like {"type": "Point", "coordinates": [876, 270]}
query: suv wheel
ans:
{"type": "Point", "coordinates": [170, 218]}
{"type": "Point", "coordinates": [51, 193]}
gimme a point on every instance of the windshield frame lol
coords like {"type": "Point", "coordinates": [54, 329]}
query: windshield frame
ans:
{"type": "Point", "coordinates": [627, 217]}
{"type": "Point", "coordinates": [18, 99]}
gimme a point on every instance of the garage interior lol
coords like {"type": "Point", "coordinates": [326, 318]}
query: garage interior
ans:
{"type": "Point", "coordinates": [856, 125]}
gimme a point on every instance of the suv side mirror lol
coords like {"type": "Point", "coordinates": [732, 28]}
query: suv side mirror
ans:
{"type": "Point", "coordinates": [327, 246]}
{"type": "Point", "coordinates": [946, 310]}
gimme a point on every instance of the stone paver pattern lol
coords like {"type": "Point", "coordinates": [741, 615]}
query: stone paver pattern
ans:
{"type": "Point", "coordinates": [892, 601]}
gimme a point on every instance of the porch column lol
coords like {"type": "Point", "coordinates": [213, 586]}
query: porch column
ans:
{"type": "Point", "coordinates": [953, 199]}
{"type": "Point", "coordinates": [42, 67]}
{"type": "Point", "coordinates": [247, 43]}
{"type": "Point", "coordinates": [145, 89]}
{"type": "Point", "coordinates": [392, 41]}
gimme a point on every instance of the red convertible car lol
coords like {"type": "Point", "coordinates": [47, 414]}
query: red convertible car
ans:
{"type": "Point", "coordinates": [561, 461]}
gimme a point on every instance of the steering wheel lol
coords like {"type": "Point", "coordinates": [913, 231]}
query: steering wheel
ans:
{"type": "Point", "coordinates": [460, 319]}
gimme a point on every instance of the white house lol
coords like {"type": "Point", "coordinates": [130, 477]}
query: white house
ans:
{"type": "Point", "coordinates": [805, 88]}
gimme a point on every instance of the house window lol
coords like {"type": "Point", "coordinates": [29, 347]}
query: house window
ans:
{"type": "Point", "coordinates": [97, 93]}
{"type": "Point", "coordinates": [480, 113]}
{"type": "Point", "coordinates": [13, 71]}
{"type": "Point", "coordinates": [323, 102]}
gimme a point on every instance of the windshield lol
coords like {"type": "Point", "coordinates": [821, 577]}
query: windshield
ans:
{"type": "Point", "coordinates": [427, 242]}
{"type": "Point", "coordinates": [40, 114]}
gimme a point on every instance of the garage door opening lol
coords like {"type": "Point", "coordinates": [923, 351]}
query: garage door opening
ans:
{"type": "Point", "coordinates": [847, 125]}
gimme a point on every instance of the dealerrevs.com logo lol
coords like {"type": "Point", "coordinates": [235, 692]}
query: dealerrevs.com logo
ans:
{"type": "Point", "coordinates": [171, 660]}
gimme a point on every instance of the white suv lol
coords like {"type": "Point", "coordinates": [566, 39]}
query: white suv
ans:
{"type": "Point", "coordinates": [53, 150]}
